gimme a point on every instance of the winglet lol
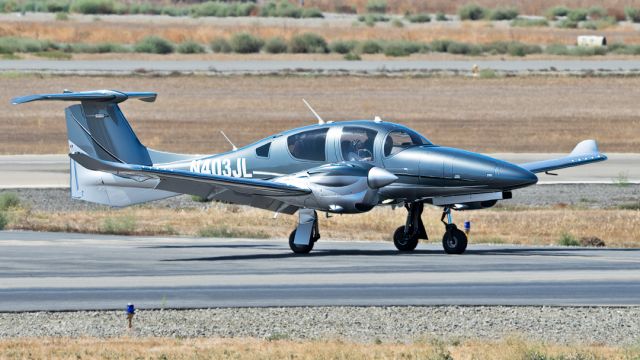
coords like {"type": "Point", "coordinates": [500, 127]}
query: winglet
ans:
{"type": "Point", "coordinates": [95, 95]}
{"type": "Point", "coordinates": [585, 147]}
{"type": "Point", "coordinates": [585, 152]}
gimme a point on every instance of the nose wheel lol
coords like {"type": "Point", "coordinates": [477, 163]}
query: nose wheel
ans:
{"type": "Point", "coordinates": [454, 240]}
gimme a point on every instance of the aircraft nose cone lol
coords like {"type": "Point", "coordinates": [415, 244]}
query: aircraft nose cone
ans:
{"type": "Point", "coordinates": [379, 177]}
{"type": "Point", "coordinates": [513, 176]}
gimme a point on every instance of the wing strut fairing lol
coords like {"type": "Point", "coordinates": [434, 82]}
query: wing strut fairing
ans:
{"type": "Point", "coordinates": [585, 152]}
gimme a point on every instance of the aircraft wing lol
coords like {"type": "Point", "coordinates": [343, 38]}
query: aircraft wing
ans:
{"type": "Point", "coordinates": [585, 152]}
{"type": "Point", "coordinates": [186, 182]}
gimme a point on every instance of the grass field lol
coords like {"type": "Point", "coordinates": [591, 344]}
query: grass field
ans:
{"type": "Point", "coordinates": [164, 348]}
{"type": "Point", "coordinates": [128, 30]}
{"type": "Point", "coordinates": [534, 226]}
{"type": "Point", "coordinates": [524, 114]}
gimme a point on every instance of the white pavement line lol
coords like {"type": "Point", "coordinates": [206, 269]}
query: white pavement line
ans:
{"type": "Point", "coordinates": [314, 279]}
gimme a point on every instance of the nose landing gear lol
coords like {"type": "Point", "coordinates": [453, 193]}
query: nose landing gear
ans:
{"type": "Point", "coordinates": [454, 240]}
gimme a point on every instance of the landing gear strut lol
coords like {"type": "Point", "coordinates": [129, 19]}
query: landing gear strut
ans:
{"type": "Point", "coordinates": [306, 233]}
{"type": "Point", "coordinates": [406, 237]}
{"type": "Point", "coordinates": [454, 241]}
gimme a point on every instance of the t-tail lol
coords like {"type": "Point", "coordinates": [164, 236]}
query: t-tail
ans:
{"type": "Point", "coordinates": [98, 128]}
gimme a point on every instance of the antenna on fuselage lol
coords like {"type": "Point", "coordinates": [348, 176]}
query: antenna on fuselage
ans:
{"type": "Point", "coordinates": [320, 121]}
{"type": "Point", "coordinates": [233, 147]}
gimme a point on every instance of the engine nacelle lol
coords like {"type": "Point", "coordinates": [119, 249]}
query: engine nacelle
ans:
{"type": "Point", "coordinates": [343, 188]}
{"type": "Point", "coordinates": [477, 205]}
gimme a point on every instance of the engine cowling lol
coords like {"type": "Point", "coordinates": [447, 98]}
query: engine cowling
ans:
{"type": "Point", "coordinates": [344, 188]}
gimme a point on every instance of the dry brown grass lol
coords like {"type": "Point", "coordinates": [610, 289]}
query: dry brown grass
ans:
{"type": "Point", "coordinates": [618, 228]}
{"type": "Point", "coordinates": [490, 115]}
{"type": "Point", "coordinates": [128, 31]}
{"type": "Point", "coordinates": [165, 348]}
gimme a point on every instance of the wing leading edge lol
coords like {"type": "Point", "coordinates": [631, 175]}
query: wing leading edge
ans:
{"type": "Point", "coordinates": [585, 152]}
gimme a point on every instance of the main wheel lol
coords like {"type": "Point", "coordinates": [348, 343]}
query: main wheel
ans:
{"type": "Point", "coordinates": [454, 241]}
{"type": "Point", "coordinates": [402, 243]}
{"type": "Point", "coordinates": [299, 249]}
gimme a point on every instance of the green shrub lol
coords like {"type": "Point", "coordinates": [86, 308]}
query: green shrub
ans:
{"type": "Point", "coordinates": [397, 23]}
{"type": "Point", "coordinates": [9, 200]}
{"type": "Point", "coordinates": [222, 9]}
{"type": "Point", "coordinates": [588, 51]}
{"type": "Point", "coordinates": [557, 49]}
{"type": "Point", "coordinates": [519, 49]}
{"type": "Point", "coordinates": [441, 17]}
{"type": "Point", "coordinates": [120, 225]}
{"type": "Point", "coordinates": [281, 8]}
{"type": "Point", "coordinates": [55, 6]}
{"type": "Point", "coordinates": [577, 15]}
{"type": "Point", "coordinates": [472, 12]}
{"type": "Point", "coordinates": [62, 16]}
{"type": "Point", "coordinates": [496, 47]}
{"type": "Point", "coordinates": [556, 12]}
{"type": "Point", "coordinates": [464, 49]}
{"type": "Point", "coordinates": [567, 24]}
{"type": "Point", "coordinates": [220, 45]}
{"type": "Point", "coordinates": [308, 43]}
{"type": "Point", "coordinates": [377, 6]}
{"type": "Point", "coordinates": [597, 12]}
{"type": "Point", "coordinates": [567, 239]}
{"type": "Point", "coordinates": [370, 47]}
{"type": "Point", "coordinates": [97, 48]}
{"type": "Point", "coordinates": [352, 57]}
{"type": "Point", "coordinates": [401, 48]}
{"type": "Point", "coordinates": [342, 46]}
{"type": "Point", "coordinates": [346, 9]}
{"type": "Point", "coordinates": [10, 45]}
{"type": "Point", "coordinates": [619, 48]}
{"type": "Point", "coordinates": [419, 18]}
{"type": "Point", "coordinates": [599, 24]}
{"type": "Point", "coordinates": [312, 13]}
{"type": "Point", "coordinates": [523, 22]}
{"type": "Point", "coordinates": [201, 199]}
{"type": "Point", "coordinates": [373, 18]}
{"type": "Point", "coordinates": [190, 47]}
{"type": "Point", "coordinates": [275, 45]}
{"type": "Point", "coordinates": [632, 14]}
{"type": "Point", "coordinates": [245, 43]}
{"type": "Point", "coordinates": [440, 45]}
{"type": "Point", "coordinates": [53, 54]}
{"type": "Point", "coordinates": [154, 45]}
{"type": "Point", "coordinates": [93, 6]}
{"type": "Point", "coordinates": [4, 220]}
{"type": "Point", "coordinates": [503, 14]}
{"type": "Point", "coordinates": [488, 74]}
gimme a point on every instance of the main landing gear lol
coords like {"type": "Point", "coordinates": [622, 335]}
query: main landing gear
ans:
{"type": "Point", "coordinates": [405, 238]}
{"type": "Point", "coordinates": [306, 233]}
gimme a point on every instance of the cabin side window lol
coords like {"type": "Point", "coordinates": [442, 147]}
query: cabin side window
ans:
{"type": "Point", "coordinates": [263, 151]}
{"type": "Point", "coordinates": [356, 143]}
{"type": "Point", "coordinates": [399, 140]}
{"type": "Point", "coordinates": [308, 145]}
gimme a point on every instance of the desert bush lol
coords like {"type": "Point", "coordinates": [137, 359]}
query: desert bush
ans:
{"type": "Point", "coordinates": [523, 22]}
{"type": "Point", "coordinates": [284, 8]}
{"type": "Point", "coordinates": [373, 18]}
{"type": "Point", "coordinates": [9, 45]}
{"type": "Point", "coordinates": [619, 48]}
{"type": "Point", "coordinates": [472, 12]}
{"type": "Point", "coordinates": [520, 49]}
{"type": "Point", "coordinates": [377, 6]}
{"type": "Point", "coordinates": [587, 51]}
{"type": "Point", "coordinates": [312, 13]}
{"type": "Point", "coordinates": [557, 49]}
{"type": "Point", "coordinates": [308, 43]}
{"type": "Point", "coordinates": [222, 9]}
{"type": "Point", "coordinates": [464, 48]}
{"type": "Point", "coordinates": [419, 18]}
{"type": "Point", "coordinates": [632, 14]}
{"type": "Point", "coordinates": [577, 15]}
{"type": "Point", "coordinates": [9, 200]}
{"type": "Point", "coordinates": [220, 45]}
{"type": "Point", "coordinates": [599, 24]}
{"type": "Point", "coordinates": [154, 45]}
{"type": "Point", "coordinates": [402, 48]}
{"type": "Point", "coordinates": [503, 14]}
{"type": "Point", "coordinates": [441, 17]}
{"type": "Point", "coordinates": [346, 9]}
{"type": "Point", "coordinates": [245, 43]}
{"type": "Point", "coordinates": [488, 74]}
{"type": "Point", "coordinates": [352, 57]}
{"type": "Point", "coordinates": [275, 45]}
{"type": "Point", "coordinates": [342, 46]}
{"type": "Point", "coordinates": [567, 24]}
{"type": "Point", "coordinates": [101, 48]}
{"type": "Point", "coordinates": [440, 45]}
{"type": "Point", "coordinates": [4, 220]}
{"type": "Point", "coordinates": [62, 16]}
{"type": "Point", "coordinates": [370, 47]}
{"type": "Point", "coordinates": [597, 12]}
{"type": "Point", "coordinates": [567, 239]}
{"type": "Point", "coordinates": [55, 6]}
{"type": "Point", "coordinates": [120, 225]}
{"type": "Point", "coordinates": [190, 47]}
{"type": "Point", "coordinates": [496, 47]}
{"type": "Point", "coordinates": [556, 12]}
{"type": "Point", "coordinates": [397, 23]}
{"type": "Point", "coordinates": [94, 6]}
{"type": "Point", "coordinates": [592, 241]}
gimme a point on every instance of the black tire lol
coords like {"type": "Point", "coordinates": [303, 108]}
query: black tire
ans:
{"type": "Point", "coordinates": [299, 249]}
{"type": "Point", "coordinates": [403, 244]}
{"type": "Point", "coordinates": [454, 241]}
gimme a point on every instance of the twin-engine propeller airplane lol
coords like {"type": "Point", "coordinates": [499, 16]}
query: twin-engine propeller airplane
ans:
{"type": "Point", "coordinates": [343, 168]}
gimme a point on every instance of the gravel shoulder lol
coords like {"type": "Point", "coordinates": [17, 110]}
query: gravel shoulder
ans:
{"type": "Point", "coordinates": [571, 325]}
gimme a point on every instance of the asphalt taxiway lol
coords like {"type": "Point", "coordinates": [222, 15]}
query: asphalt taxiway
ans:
{"type": "Point", "coordinates": [58, 271]}
{"type": "Point", "coordinates": [45, 171]}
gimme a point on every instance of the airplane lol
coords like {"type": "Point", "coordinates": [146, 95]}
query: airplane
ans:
{"type": "Point", "coordinates": [345, 167]}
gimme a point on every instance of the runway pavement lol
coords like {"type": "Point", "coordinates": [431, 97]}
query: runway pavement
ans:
{"type": "Point", "coordinates": [58, 271]}
{"type": "Point", "coordinates": [42, 171]}
{"type": "Point", "coordinates": [271, 66]}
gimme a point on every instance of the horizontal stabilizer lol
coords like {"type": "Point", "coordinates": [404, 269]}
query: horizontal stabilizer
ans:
{"type": "Point", "coordinates": [108, 96]}
{"type": "Point", "coordinates": [585, 152]}
{"type": "Point", "coordinates": [185, 181]}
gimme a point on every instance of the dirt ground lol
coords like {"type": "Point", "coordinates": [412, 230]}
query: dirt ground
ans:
{"type": "Point", "coordinates": [524, 114]}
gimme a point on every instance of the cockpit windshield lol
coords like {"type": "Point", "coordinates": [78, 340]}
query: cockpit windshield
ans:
{"type": "Point", "coordinates": [401, 139]}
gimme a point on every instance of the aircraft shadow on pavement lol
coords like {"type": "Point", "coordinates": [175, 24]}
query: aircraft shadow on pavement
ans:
{"type": "Point", "coordinates": [219, 246]}
{"type": "Point", "coordinates": [358, 252]}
